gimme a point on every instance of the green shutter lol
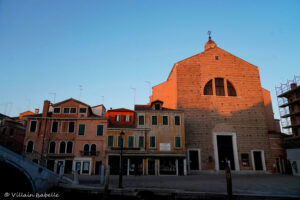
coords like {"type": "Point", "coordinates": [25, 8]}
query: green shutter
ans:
{"type": "Point", "coordinates": [141, 120]}
{"type": "Point", "coordinates": [154, 120]}
{"type": "Point", "coordinates": [110, 141]}
{"type": "Point", "coordinates": [130, 141]}
{"type": "Point", "coordinates": [120, 141]}
{"type": "Point", "coordinates": [177, 142]}
{"type": "Point", "coordinates": [81, 129]}
{"type": "Point", "coordinates": [100, 130]}
{"type": "Point", "coordinates": [177, 120]}
{"type": "Point", "coordinates": [165, 120]}
{"type": "Point", "coordinates": [141, 141]}
{"type": "Point", "coordinates": [152, 141]}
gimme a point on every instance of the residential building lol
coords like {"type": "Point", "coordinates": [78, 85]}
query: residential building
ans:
{"type": "Point", "coordinates": [154, 141]}
{"type": "Point", "coordinates": [67, 134]}
{"type": "Point", "coordinates": [12, 133]}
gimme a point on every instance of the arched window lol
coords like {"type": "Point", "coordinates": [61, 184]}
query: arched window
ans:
{"type": "Point", "coordinates": [62, 147]}
{"type": "Point", "coordinates": [230, 89]}
{"type": "Point", "coordinates": [69, 147]}
{"type": "Point", "coordinates": [29, 148]}
{"type": "Point", "coordinates": [93, 149]}
{"type": "Point", "coordinates": [219, 82]}
{"type": "Point", "coordinates": [52, 147]}
{"type": "Point", "coordinates": [86, 149]}
{"type": "Point", "coordinates": [208, 88]}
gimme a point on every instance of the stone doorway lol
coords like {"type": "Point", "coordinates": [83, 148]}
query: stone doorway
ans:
{"type": "Point", "coordinates": [225, 151]}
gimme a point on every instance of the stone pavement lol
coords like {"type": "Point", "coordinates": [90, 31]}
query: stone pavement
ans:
{"type": "Point", "coordinates": [253, 184]}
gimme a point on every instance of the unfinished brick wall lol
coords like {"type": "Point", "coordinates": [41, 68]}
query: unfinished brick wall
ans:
{"type": "Point", "coordinates": [243, 114]}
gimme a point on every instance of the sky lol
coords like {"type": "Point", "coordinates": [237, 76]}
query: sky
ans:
{"type": "Point", "coordinates": [110, 49]}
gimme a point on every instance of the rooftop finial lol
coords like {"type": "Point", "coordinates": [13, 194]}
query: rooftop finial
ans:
{"type": "Point", "coordinates": [209, 33]}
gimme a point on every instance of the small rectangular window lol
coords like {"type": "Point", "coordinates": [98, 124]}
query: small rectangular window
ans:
{"type": "Point", "coordinates": [56, 110]}
{"type": "Point", "coordinates": [154, 120]}
{"type": "Point", "coordinates": [71, 127]}
{"type": "Point", "coordinates": [177, 120]}
{"type": "Point", "coordinates": [177, 142]}
{"type": "Point", "coordinates": [82, 110]}
{"type": "Point", "coordinates": [81, 129]}
{"type": "Point", "coordinates": [110, 141]}
{"type": "Point", "coordinates": [54, 127]}
{"type": "Point", "coordinates": [118, 118]}
{"type": "Point", "coordinates": [66, 110]}
{"type": "Point", "coordinates": [165, 120]}
{"type": "Point", "coordinates": [99, 130]}
{"type": "Point", "coordinates": [141, 119]}
{"type": "Point", "coordinates": [245, 159]}
{"type": "Point", "coordinates": [33, 126]}
{"type": "Point", "coordinates": [130, 141]}
{"type": "Point", "coordinates": [152, 142]}
{"type": "Point", "coordinates": [217, 57]}
{"type": "Point", "coordinates": [120, 141]}
{"type": "Point", "coordinates": [141, 141]}
{"type": "Point", "coordinates": [11, 132]}
{"type": "Point", "coordinates": [3, 131]}
{"type": "Point", "coordinates": [73, 110]}
{"type": "Point", "coordinates": [127, 118]}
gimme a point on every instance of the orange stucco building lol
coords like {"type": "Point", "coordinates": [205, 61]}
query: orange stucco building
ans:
{"type": "Point", "coordinates": [67, 134]}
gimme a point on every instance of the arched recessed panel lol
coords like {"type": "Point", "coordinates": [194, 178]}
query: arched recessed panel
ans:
{"type": "Point", "coordinates": [208, 88]}
{"type": "Point", "coordinates": [86, 149]}
{"type": "Point", "coordinates": [93, 149]}
{"type": "Point", "coordinates": [69, 147]}
{"type": "Point", "coordinates": [230, 89]}
{"type": "Point", "coordinates": [52, 147]}
{"type": "Point", "coordinates": [29, 148]}
{"type": "Point", "coordinates": [62, 147]}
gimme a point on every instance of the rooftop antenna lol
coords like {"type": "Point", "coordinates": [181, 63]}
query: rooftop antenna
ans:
{"type": "Point", "coordinates": [102, 97]}
{"type": "Point", "coordinates": [209, 33]}
{"type": "Point", "coordinates": [149, 83]}
{"type": "Point", "coordinates": [6, 107]}
{"type": "Point", "coordinates": [134, 90]}
{"type": "Point", "coordinates": [80, 91]}
{"type": "Point", "coordinates": [54, 96]}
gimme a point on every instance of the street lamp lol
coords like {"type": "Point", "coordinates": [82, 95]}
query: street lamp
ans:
{"type": "Point", "coordinates": [121, 160]}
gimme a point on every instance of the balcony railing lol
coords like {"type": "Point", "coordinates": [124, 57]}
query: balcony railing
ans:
{"type": "Point", "coordinates": [60, 155]}
{"type": "Point", "coordinates": [89, 153]}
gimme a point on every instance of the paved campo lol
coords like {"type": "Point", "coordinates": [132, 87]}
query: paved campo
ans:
{"type": "Point", "coordinates": [254, 184]}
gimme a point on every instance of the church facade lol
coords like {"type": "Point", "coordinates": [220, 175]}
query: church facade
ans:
{"type": "Point", "coordinates": [224, 106]}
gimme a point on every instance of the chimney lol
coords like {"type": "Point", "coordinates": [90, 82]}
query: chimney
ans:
{"type": "Point", "coordinates": [46, 108]}
{"type": "Point", "coordinates": [293, 85]}
{"type": "Point", "coordinates": [36, 111]}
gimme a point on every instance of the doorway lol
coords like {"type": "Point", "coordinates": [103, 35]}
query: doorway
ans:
{"type": "Point", "coordinates": [98, 167]}
{"type": "Point", "coordinates": [258, 160]}
{"type": "Point", "coordinates": [225, 151]}
{"type": "Point", "coordinates": [194, 159]}
{"type": "Point", "coordinates": [151, 167]}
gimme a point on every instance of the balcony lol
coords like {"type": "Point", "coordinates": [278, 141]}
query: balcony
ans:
{"type": "Point", "coordinates": [89, 153]}
{"type": "Point", "coordinates": [60, 155]}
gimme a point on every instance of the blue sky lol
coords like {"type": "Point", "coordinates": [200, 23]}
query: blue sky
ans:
{"type": "Point", "coordinates": [109, 47]}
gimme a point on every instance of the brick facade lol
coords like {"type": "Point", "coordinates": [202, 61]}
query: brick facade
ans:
{"type": "Point", "coordinates": [206, 116]}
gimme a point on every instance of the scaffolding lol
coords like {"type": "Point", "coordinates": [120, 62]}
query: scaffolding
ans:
{"type": "Point", "coordinates": [283, 102]}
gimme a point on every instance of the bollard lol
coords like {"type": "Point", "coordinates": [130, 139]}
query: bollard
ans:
{"type": "Point", "coordinates": [229, 182]}
{"type": "Point", "coordinates": [106, 183]}
{"type": "Point", "coordinates": [75, 181]}
{"type": "Point", "coordinates": [102, 174]}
